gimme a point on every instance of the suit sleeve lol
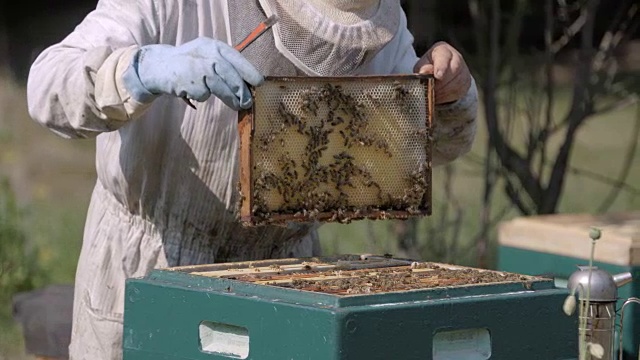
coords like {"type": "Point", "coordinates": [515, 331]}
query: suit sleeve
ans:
{"type": "Point", "coordinates": [455, 127]}
{"type": "Point", "coordinates": [455, 123]}
{"type": "Point", "coordinates": [75, 87]}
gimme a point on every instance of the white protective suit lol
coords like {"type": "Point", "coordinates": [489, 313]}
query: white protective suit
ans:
{"type": "Point", "coordinates": [166, 174]}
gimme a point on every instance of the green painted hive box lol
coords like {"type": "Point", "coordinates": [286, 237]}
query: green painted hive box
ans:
{"type": "Point", "coordinates": [554, 245]}
{"type": "Point", "coordinates": [346, 307]}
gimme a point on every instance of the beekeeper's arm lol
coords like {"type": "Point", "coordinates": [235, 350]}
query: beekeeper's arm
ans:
{"type": "Point", "coordinates": [456, 96]}
{"type": "Point", "coordinates": [109, 70]}
{"type": "Point", "coordinates": [456, 101]}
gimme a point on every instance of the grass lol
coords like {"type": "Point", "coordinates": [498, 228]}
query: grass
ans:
{"type": "Point", "coordinates": [52, 179]}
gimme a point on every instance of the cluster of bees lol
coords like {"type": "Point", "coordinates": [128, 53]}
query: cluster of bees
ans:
{"type": "Point", "coordinates": [312, 186]}
{"type": "Point", "coordinates": [413, 197]}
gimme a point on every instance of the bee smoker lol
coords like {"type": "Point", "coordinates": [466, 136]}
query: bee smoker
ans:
{"type": "Point", "coordinates": [599, 319]}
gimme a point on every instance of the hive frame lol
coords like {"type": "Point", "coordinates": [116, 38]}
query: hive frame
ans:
{"type": "Point", "coordinates": [246, 128]}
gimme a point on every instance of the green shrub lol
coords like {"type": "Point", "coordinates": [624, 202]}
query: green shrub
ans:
{"type": "Point", "coordinates": [19, 270]}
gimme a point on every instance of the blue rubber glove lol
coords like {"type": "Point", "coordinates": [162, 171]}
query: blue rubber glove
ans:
{"type": "Point", "coordinates": [197, 69]}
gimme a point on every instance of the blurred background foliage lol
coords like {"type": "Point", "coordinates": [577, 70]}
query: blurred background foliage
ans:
{"type": "Point", "coordinates": [557, 132]}
{"type": "Point", "coordinates": [19, 266]}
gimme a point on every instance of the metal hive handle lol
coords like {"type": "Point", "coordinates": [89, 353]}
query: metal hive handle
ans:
{"type": "Point", "coordinates": [620, 336]}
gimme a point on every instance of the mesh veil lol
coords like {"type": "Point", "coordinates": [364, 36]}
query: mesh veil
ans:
{"type": "Point", "coordinates": [244, 16]}
{"type": "Point", "coordinates": [325, 41]}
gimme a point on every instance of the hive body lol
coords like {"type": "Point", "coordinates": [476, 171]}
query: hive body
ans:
{"type": "Point", "coordinates": [258, 311]}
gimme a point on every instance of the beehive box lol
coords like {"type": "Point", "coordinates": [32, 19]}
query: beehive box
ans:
{"type": "Point", "coordinates": [336, 149]}
{"type": "Point", "coordinates": [554, 245]}
{"type": "Point", "coordinates": [344, 307]}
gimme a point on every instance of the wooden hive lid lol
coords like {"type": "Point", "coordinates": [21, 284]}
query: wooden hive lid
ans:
{"type": "Point", "coordinates": [568, 235]}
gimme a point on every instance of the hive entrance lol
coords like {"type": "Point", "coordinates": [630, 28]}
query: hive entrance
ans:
{"type": "Point", "coordinates": [336, 149]}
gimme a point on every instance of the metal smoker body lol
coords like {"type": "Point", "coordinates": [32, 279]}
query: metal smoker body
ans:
{"type": "Point", "coordinates": [600, 318]}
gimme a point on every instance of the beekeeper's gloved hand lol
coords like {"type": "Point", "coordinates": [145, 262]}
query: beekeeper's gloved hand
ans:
{"type": "Point", "coordinates": [197, 69]}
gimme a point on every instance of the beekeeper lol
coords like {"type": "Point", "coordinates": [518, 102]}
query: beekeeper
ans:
{"type": "Point", "coordinates": [166, 173]}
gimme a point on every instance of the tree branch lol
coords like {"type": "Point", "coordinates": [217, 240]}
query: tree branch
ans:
{"type": "Point", "coordinates": [614, 35]}
{"type": "Point", "coordinates": [493, 222]}
{"type": "Point", "coordinates": [549, 84]}
{"type": "Point", "coordinates": [507, 155]}
{"type": "Point", "coordinates": [515, 198]}
{"type": "Point", "coordinates": [626, 166]}
{"type": "Point", "coordinates": [570, 32]}
{"type": "Point", "coordinates": [605, 180]}
{"type": "Point", "coordinates": [618, 105]}
{"type": "Point", "coordinates": [372, 238]}
{"type": "Point", "coordinates": [581, 106]}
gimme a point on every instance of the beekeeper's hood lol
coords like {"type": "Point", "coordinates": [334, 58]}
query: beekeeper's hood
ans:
{"type": "Point", "coordinates": [332, 37]}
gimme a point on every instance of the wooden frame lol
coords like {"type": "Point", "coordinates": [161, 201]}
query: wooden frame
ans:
{"type": "Point", "coordinates": [246, 128]}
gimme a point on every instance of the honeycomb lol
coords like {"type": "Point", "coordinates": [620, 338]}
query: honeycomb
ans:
{"type": "Point", "coordinates": [327, 145]}
{"type": "Point", "coordinates": [346, 275]}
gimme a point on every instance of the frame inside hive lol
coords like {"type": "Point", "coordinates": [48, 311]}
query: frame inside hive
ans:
{"type": "Point", "coordinates": [347, 275]}
{"type": "Point", "coordinates": [336, 149]}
